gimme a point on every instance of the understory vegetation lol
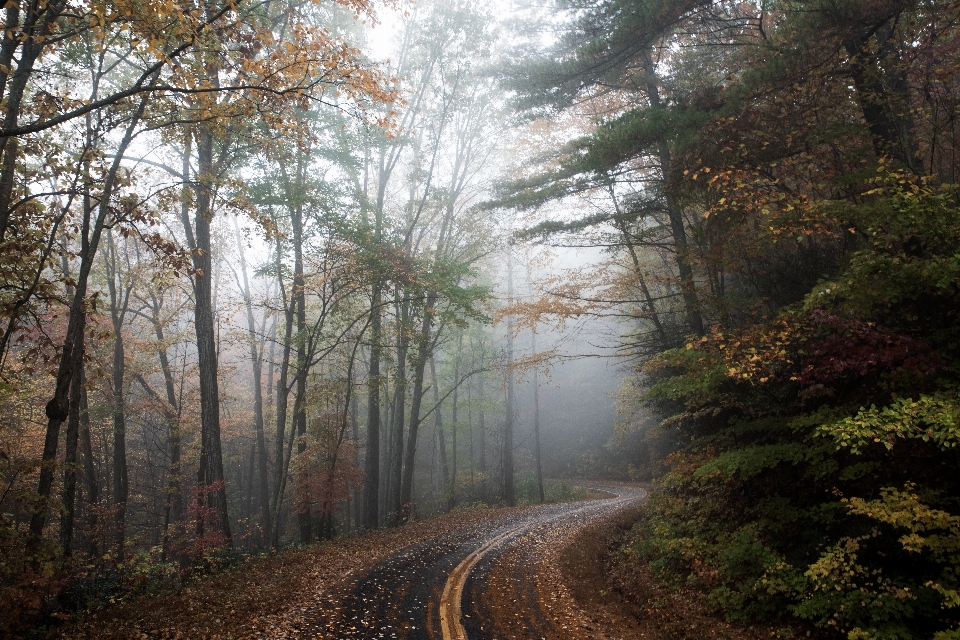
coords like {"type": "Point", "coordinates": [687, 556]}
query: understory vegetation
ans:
{"type": "Point", "coordinates": [818, 472]}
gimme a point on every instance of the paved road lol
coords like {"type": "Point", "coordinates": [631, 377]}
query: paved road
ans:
{"type": "Point", "coordinates": [483, 582]}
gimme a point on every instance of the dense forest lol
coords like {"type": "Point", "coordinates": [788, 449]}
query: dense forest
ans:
{"type": "Point", "coordinates": [273, 272]}
{"type": "Point", "coordinates": [245, 301]}
{"type": "Point", "coordinates": [776, 185]}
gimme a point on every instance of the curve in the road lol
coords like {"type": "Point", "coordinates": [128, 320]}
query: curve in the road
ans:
{"type": "Point", "coordinates": [451, 601]}
{"type": "Point", "coordinates": [442, 587]}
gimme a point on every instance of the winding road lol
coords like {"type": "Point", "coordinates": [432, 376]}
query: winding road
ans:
{"type": "Point", "coordinates": [487, 581]}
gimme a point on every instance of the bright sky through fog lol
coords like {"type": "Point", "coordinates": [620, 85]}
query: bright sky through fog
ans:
{"type": "Point", "coordinates": [381, 37]}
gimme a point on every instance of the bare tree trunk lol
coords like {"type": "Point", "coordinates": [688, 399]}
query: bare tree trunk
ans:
{"type": "Point", "coordinates": [210, 478]}
{"type": "Point", "coordinates": [248, 498]}
{"type": "Point", "coordinates": [416, 402]}
{"type": "Point", "coordinates": [438, 429]}
{"type": "Point", "coordinates": [509, 494]}
{"type": "Point", "coordinates": [299, 296]}
{"type": "Point", "coordinates": [470, 437]}
{"type": "Point", "coordinates": [453, 423]}
{"type": "Point", "coordinates": [256, 362]}
{"type": "Point", "coordinates": [90, 476]}
{"type": "Point", "coordinates": [355, 426]}
{"type": "Point", "coordinates": [536, 417]}
{"type": "Point", "coordinates": [371, 492]}
{"type": "Point", "coordinates": [400, 410]}
{"type": "Point", "coordinates": [482, 429]}
{"type": "Point", "coordinates": [119, 300]}
{"type": "Point", "coordinates": [283, 393]}
{"type": "Point", "coordinates": [70, 461]}
{"type": "Point", "coordinates": [173, 505]}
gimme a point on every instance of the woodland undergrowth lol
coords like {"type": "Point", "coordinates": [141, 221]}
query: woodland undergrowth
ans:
{"type": "Point", "coordinates": [817, 484]}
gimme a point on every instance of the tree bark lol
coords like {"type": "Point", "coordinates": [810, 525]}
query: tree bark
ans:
{"type": "Point", "coordinates": [283, 394]}
{"type": "Point", "coordinates": [211, 485]}
{"type": "Point", "coordinates": [118, 306]}
{"type": "Point", "coordinates": [453, 423]}
{"type": "Point", "coordinates": [536, 416]}
{"type": "Point", "coordinates": [482, 433]}
{"type": "Point", "coordinates": [70, 460]}
{"type": "Point", "coordinates": [371, 488]}
{"type": "Point", "coordinates": [438, 429]}
{"type": "Point", "coordinates": [89, 472]}
{"type": "Point", "coordinates": [400, 410]}
{"type": "Point", "coordinates": [416, 402]}
{"type": "Point", "coordinates": [299, 296]}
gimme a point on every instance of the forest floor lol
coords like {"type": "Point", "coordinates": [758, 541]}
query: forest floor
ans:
{"type": "Point", "coordinates": [272, 597]}
{"type": "Point", "coordinates": [283, 596]}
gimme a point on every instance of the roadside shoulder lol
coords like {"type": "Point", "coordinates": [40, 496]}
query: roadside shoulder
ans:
{"type": "Point", "coordinates": [622, 598]}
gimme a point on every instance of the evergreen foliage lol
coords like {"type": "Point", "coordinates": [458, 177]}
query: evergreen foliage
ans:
{"type": "Point", "coordinates": [814, 478]}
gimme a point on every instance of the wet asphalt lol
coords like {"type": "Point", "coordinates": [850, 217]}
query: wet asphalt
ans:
{"type": "Point", "coordinates": [400, 598]}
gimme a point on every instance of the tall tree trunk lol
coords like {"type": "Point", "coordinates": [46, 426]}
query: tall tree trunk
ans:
{"type": "Point", "coordinates": [536, 416]}
{"type": "Point", "coordinates": [299, 296]}
{"type": "Point", "coordinates": [73, 432]}
{"type": "Point", "coordinates": [118, 307]}
{"type": "Point", "coordinates": [416, 402]}
{"type": "Point", "coordinates": [509, 494]}
{"type": "Point", "coordinates": [438, 429]}
{"type": "Point", "coordinates": [173, 505]}
{"type": "Point", "coordinates": [453, 423]}
{"type": "Point", "coordinates": [211, 485]}
{"type": "Point", "coordinates": [470, 436]}
{"type": "Point", "coordinates": [70, 460]}
{"type": "Point", "coordinates": [256, 362]}
{"type": "Point", "coordinates": [70, 356]}
{"type": "Point", "coordinates": [677, 227]}
{"type": "Point", "coordinates": [400, 410]}
{"type": "Point", "coordinates": [371, 490]}
{"type": "Point", "coordinates": [89, 472]}
{"type": "Point", "coordinates": [283, 394]}
{"type": "Point", "coordinates": [482, 444]}
{"type": "Point", "coordinates": [355, 426]}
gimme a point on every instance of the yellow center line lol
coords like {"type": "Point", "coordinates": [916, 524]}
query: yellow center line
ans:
{"type": "Point", "coordinates": [451, 610]}
{"type": "Point", "coordinates": [450, 602]}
